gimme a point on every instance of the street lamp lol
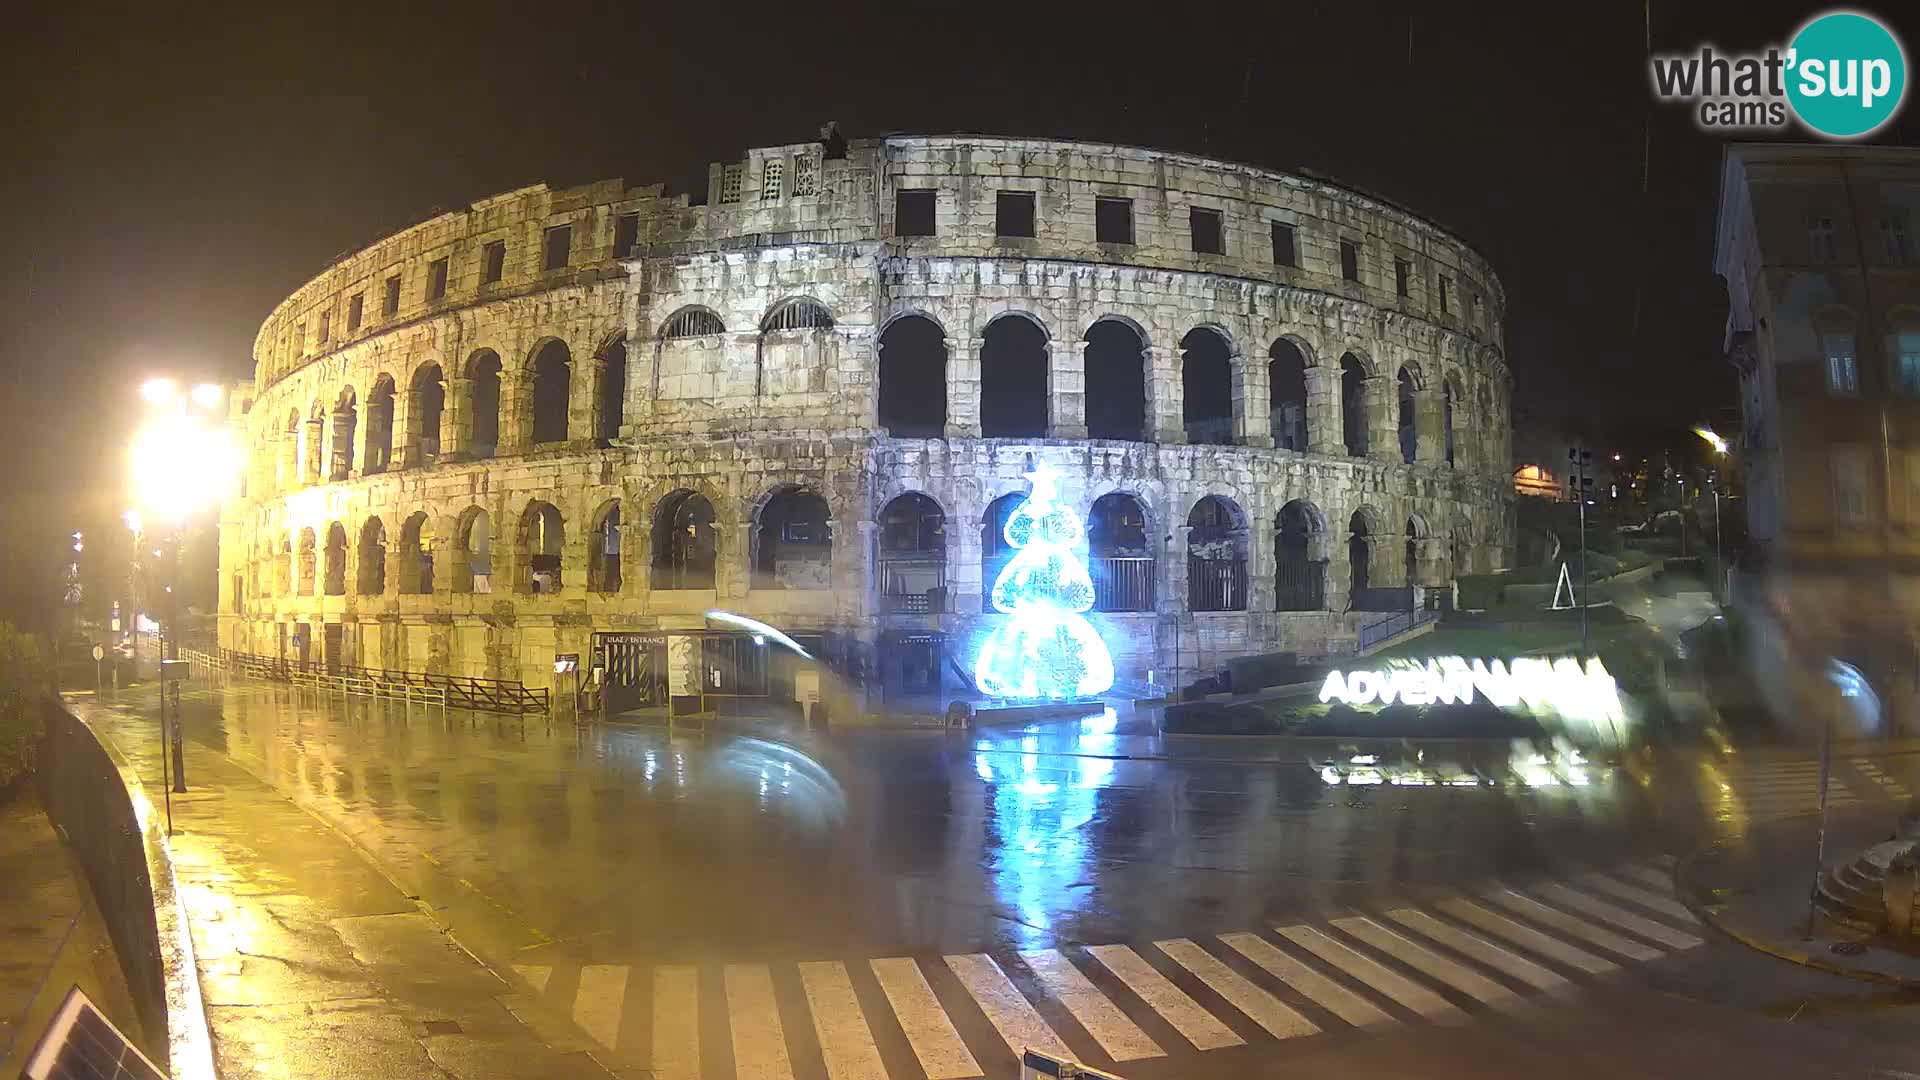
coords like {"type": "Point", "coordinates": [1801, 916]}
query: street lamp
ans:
{"type": "Point", "coordinates": [182, 462]}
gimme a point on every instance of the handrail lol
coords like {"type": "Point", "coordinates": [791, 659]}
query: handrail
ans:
{"type": "Point", "coordinates": [1399, 622]}
{"type": "Point", "coordinates": [460, 691]}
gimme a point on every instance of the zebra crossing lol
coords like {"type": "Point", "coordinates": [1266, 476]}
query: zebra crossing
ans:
{"type": "Point", "coordinates": [965, 1016]}
{"type": "Point", "coordinates": [1775, 790]}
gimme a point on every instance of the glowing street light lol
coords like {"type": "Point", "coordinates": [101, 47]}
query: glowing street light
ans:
{"type": "Point", "coordinates": [1719, 444]}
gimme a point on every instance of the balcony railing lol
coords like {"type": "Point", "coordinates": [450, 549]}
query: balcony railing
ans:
{"type": "Point", "coordinates": [1122, 582]}
{"type": "Point", "coordinates": [1216, 584]}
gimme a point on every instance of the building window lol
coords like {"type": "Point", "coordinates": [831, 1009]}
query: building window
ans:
{"type": "Point", "coordinates": [1402, 271]}
{"type": "Point", "coordinates": [356, 308]}
{"type": "Point", "coordinates": [1350, 260]}
{"type": "Point", "coordinates": [1446, 299]}
{"type": "Point", "coordinates": [326, 327]}
{"type": "Point", "coordinates": [730, 181]}
{"type": "Point", "coordinates": [437, 279]}
{"type": "Point", "coordinates": [771, 174]}
{"type": "Point", "coordinates": [1850, 479]}
{"type": "Point", "coordinates": [1013, 213]}
{"type": "Point", "coordinates": [1113, 221]}
{"type": "Point", "coordinates": [1843, 370]}
{"type": "Point", "coordinates": [1208, 236]}
{"type": "Point", "coordinates": [1820, 245]}
{"type": "Point", "coordinates": [558, 248]}
{"type": "Point", "coordinates": [806, 176]}
{"type": "Point", "coordinates": [300, 339]}
{"type": "Point", "coordinates": [1894, 239]}
{"type": "Point", "coordinates": [1284, 252]}
{"type": "Point", "coordinates": [626, 235]}
{"type": "Point", "coordinates": [913, 212]}
{"type": "Point", "coordinates": [494, 257]}
{"type": "Point", "coordinates": [390, 302]}
{"type": "Point", "coordinates": [1904, 347]}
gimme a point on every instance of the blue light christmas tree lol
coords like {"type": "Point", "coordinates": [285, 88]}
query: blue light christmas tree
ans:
{"type": "Point", "coordinates": [1047, 649]}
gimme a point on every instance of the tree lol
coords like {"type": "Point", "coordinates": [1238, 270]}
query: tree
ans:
{"type": "Point", "coordinates": [1046, 649]}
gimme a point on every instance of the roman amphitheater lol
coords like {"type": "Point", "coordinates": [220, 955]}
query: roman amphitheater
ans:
{"type": "Point", "coordinates": [579, 421]}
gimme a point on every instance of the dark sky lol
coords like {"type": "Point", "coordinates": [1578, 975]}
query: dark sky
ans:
{"type": "Point", "coordinates": [173, 172]}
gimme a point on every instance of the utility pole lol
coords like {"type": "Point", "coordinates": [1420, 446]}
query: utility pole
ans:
{"type": "Point", "coordinates": [1580, 465]}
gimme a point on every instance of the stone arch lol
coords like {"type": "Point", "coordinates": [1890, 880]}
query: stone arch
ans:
{"type": "Point", "coordinates": [1287, 364]}
{"type": "Point", "coordinates": [610, 396]}
{"type": "Point", "coordinates": [1450, 399]}
{"type": "Point", "coordinates": [426, 408]}
{"type": "Point", "coordinates": [290, 457]}
{"type": "Point", "coordinates": [1115, 379]}
{"type": "Point", "coordinates": [792, 539]}
{"type": "Point", "coordinates": [1120, 553]}
{"type": "Point", "coordinates": [316, 432]}
{"type": "Point", "coordinates": [1208, 387]}
{"type": "Point", "coordinates": [1417, 542]}
{"type": "Point", "coordinates": [913, 377]}
{"type": "Point", "coordinates": [309, 556]}
{"type": "Point", "coordinates": [1300, 543]}
{"type": "Point", "coordinates": [550, 367]}
{"type": "Point", "coordinates": [683, 541]}
{"type": "Point", "coordinates": [379, 452]}
{"type": "Point", "coordinates": [473, 551]}
{"type": "Point", "coordinates": [1014, 364]}
{"type": "Point", "coordinates": [1407, 413]}
{"type": "Point", "coordinates": [1216, 555]}
{"type": "Point", "coordinates": [1363, 538]}
{"type": "Point", "coordinates": [371, 557]}
{"type": "Point", "coordinates": [796, 313]}
{"type": "Point", "coordinates": [995, 551]}
{"type": "Point", "coordinates": [483, 403]}
{"type": "Point", "coordinates": [542, 547]}
{"type": "Point", "coordinates": [604, 548]}
{"type": "Point", "coordinates": [691, 320]}
{"type": "Point", "coordinates": [346, 419]}
{"type": "Point", "coordinates": [334, 567]}
{"type": "Point", "coordinates": [416, 549]}
{"type": "Point", "coordinates": [1353, 404]}
{"type": "Point", "coordinates": [911, 560]}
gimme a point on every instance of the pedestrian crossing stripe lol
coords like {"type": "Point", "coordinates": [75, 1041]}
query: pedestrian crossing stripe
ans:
{"type": "Point", "coordinates": [1434, 963]}
{"type": "Point", "coordinates": [1879, 776]}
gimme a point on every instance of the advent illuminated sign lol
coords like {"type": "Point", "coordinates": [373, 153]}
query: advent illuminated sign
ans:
{"type": "Point", "coordinates": [1562, 686]}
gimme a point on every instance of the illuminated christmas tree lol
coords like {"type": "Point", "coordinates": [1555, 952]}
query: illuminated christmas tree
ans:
{"type": "Point", "coordinates": [1047, 649]}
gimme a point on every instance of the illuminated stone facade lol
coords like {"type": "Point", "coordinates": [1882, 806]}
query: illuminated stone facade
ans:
{"type": "Point", "coordinates": [442, 423]}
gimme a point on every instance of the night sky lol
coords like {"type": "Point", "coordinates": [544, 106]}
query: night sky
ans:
{"type": "Point", "coordinates": [173, 173]}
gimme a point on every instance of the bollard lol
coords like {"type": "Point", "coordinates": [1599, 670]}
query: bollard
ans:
{"type": "Point", "coordinates": [1897, 889]}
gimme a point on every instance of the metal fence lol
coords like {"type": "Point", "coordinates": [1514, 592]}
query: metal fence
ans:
{"type": "Point", "coordinates": [1122, 582]}
{"type": "Point", "coordinates": [457, 691]}
{"type": "Point", "coordinates": [1381, 629]}
{"type": "Point", "coordinates": [1216, 584]}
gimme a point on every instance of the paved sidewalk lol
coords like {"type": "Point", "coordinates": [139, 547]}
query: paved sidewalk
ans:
{"type": "Point", "coordinates": [51, 935]}
{"type": "Point", "coordinates": [313, 963]}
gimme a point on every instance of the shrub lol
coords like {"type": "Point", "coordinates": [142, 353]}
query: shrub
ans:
{"type": "Point", "coordinates": [24, 685]}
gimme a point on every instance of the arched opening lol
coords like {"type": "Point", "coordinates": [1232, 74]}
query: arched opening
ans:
{"type": "Point", "coordinates": [1409, 433]}
{"type": "Point", "coordinates": [307, 559]}
{"type": "Point", "coordinates": [416, 547]}
{"type": "Point", "coordinates": [1120, 554]}
{"type": "Point", "coordinates": [474, 571]}
{"type": "Point", "coordinates": [913, 379]}
{"type": "Point", "coordinates": [1449, 390]}
{"type": "Point", "coordinates": [287, 579]}
{"type": "Point", "coordinates": [1300, 557]}
{"type": "Point", "coordinates": [290, 452]}
{"type": "Point", "coordinates": [1206, 387]}
{"type": "Point", "coordinates": [793, 544]}
{"type": "Point", "coordinates": [427, 402]}
{"type": "Point", "coordinates": [913, 555]}
{"type": "Point", "coordinates": [483, 377]}
{"type": "Point", "coordinates": [683, 544]}
{"type": "Point", "coordinates": [542, 539]}
{"type": "Point", "coordinates": [313, 451]}
{"type": "Point", "coordinates": [603, 551]}
{"type": "Point", "coordinates": [1353, 405]}
{"type": "Point", "coordinates": [346, 418]}
{"type": "Point", "coordinates": [1116, 381]}
{"type": "Point", "coordinates": [550, 384]}
{"type": "Point", "coordinates": [379, 453]}
{"type": "Point", "coordinates": [1359, 556]}
{"type": "Point", "coordinates": [1287, 383]}
{"type": "Point", "coordinates": [1013, 379]}
{"type": "Point", "coordinates": [610, 411]}
{"type": "Point", "coordinates": [1216, 556]}
{"type": "Point", "coordinates": [373, 557]}
{"type": "Point", "coordinates": [335, 583]}
{"type": "Point", "coordinates": [995, 551]}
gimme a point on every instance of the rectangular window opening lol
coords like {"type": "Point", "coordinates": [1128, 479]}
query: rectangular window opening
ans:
{"type": "Point", "coordinates": [1402, 273]}
{"type": "Point", "coordinates": [390, 302]}
{"type": "Point", "coordinates": [437, 279]}
{"type": "Point", "coordinates": [1113, 221]}
{"type": "Point", "coordinates": [771, 175]}
{"type": "Point", "coordinates": [1843, 368]}
{"type": "Point", "coordinates": [1894, 238]}
{"type": "Point", "coordinates": [1284, 252]}
{"type": "Point", "coordinates": [1446, 295]}
{"type": "Point", "coordinates": [326, 327]}
{"type": "Point", "coordinates": [494, 257]}
{"type": "Point", "coordinates": [1350, 260]}
{"type": "Point", "coordinates": [1208, 234]}
{"type": "Point", "coordinates": [1820, 244]}
{"type": "Point", "coordinates": [913, 212]}
{"type": "Point", "coordinates": [356, 311]}
{"type": "Point", "coordinates": [1013, 213]}
{"type": "Point", "coordinates": [558, 248]}
{"type": "Point", "coordinates": [626, 235]}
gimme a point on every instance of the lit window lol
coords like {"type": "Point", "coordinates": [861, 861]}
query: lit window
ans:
{"type": "Point", "coordinates": [1820, 245]}
{"type": "Point", "coordinates": [1906, 361]}
{"type": "Point", "coordinates": [1843, 370]}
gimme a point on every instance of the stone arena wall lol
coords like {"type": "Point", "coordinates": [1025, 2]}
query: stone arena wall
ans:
{"type": "Point", "coordinates": [733, 350]}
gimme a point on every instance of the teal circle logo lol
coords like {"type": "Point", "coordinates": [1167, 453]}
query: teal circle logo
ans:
{"type": "Point", "coordinates": [1848, 74]}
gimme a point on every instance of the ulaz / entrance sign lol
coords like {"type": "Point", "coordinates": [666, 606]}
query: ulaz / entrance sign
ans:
{"type": "Point", "coordinates": [1559, 686]}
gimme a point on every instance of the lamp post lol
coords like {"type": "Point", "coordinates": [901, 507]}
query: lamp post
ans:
{"type": "Point", "coordinates": [181, 464]}
{"type": "Point", "coordinates": [1713, 481]}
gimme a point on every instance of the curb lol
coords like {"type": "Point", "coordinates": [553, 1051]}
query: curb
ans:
{"type": "Point", "coordinates": [1709, 917]}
